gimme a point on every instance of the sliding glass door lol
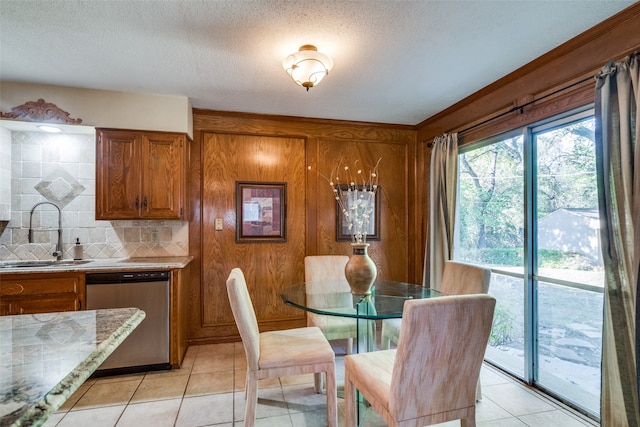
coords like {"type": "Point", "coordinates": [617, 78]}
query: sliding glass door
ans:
{"type": "Point", "coordinates": [527, 208]}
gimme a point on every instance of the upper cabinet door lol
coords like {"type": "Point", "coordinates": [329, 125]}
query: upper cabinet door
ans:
{"type": "Point", "coordinates": [118, 175]}
{"type": "Point", "coordinates": [162, 189]}
{"type": "Point", "coordinates": [140, 175]}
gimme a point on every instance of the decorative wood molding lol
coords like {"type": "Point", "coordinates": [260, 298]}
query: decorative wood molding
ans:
{"type": "Point", "coordinates": [41, 111]}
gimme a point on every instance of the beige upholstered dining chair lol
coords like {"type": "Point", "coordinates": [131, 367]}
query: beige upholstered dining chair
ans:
{"type": "Point", "coordinates": [279, 353]}
{"type": "Point", "coordinates": [431, 377]}
{"type": "Point", "coordinates": [457, 279]}
{"type": "Point", "coordinates": [325, 274]}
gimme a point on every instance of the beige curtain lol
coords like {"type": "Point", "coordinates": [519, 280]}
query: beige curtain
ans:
{"type": "Point", "coordinates": [443, 178]}
{"type": "Point", "coordinates": [618, 161]}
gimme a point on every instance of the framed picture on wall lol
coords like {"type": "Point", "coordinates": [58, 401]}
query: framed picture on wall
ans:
{"type": "Point", "coordinates": [343, 234]}
{"type": "Point", "coordinates": [261, 212]}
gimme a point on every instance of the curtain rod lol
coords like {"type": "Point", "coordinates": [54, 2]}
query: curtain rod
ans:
{"type": "Point", "coordinates": [521, 107]}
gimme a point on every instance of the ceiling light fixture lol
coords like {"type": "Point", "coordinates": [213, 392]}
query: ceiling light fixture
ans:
{"type": "Point", "coordinates": [307, 67]}
{"type": "Point", "coordinates": [51, 129]}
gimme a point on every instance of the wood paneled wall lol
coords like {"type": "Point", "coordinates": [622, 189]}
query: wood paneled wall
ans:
{"type": "Point", "coordinates": [228, 158]}
{"type": "Point", "coordinates": [230, 147]}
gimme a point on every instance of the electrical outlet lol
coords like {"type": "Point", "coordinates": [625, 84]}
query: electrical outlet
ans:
{"type": "Point", "coordinates": [218, 224]}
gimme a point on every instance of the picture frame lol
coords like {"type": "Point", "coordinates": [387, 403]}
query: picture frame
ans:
{"type": "Point", "coordinates": [261, 212]}
{"type": "Point", "coordinates": [342, 230]}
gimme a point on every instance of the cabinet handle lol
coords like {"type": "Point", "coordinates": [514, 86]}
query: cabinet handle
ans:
{"type": "Point", "coordinates": [137, 203]}
{"type": "Point", "coordinates": [144, 202]}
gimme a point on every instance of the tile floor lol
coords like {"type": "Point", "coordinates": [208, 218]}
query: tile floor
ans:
{"type": "Point", "coordinates": [209, 391]}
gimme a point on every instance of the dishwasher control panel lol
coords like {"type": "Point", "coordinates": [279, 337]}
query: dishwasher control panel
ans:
{"type": "Point", "coordinates": [126, 277]}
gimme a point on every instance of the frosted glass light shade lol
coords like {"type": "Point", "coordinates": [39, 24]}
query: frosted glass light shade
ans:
{"type": "Point", "coordinates": [307, 67]}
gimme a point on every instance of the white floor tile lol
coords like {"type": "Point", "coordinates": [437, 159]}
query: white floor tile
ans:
{"type": "Point", "coordinates": [280, 421]}
{"type": "Point", "coordinates": [303, 398]}
{"type": "Point", "coordinates": [310, 419]}
{"type": "Point", "coordinates": [551, 419]}
{"type": "Point", "coordinates": [98, 417]}
{"type": "Point", "coordinates": [161, 413]}
{"type": "Point", "coordinates": [505, 422]}
{"type": "Point", "coordinates": [271, 403]}
{"type": "Point", "coordinates": [206, 410]}
{"type": "Point", "coordinates": [54, 419]}
{"type": "Point", "coordinates": [487, 410]}
{"type": "Point", "coordinates": [516, 399]}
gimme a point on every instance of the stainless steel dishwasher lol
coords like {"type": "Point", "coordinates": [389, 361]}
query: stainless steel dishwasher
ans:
{"type": "Point", "coordinates": [147, 348]}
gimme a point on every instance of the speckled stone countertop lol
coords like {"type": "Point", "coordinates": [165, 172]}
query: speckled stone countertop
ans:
{"type": "Point", "coordinates": [98, 265]}
{"type": "Point", "coordinates": [44, 358]}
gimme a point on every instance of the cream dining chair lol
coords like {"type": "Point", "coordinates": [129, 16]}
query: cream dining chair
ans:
{"type": "Point", "coordinates": [279, 353]}
{"type": "Point", "coordinates": [322, 274]}
{"type": "Point", "coordinates": [431, 377]}
{"type": "Point", "coordinates": [457, 279]}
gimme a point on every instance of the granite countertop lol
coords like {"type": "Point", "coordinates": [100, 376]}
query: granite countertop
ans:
{"type": "Point", "coordinates": [97, 265]}
{"type": "Point", "coordinates": [44, 358]}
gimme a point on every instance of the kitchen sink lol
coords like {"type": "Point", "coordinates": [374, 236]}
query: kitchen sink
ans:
{"type": "Point", "coordinates": [34, 264]}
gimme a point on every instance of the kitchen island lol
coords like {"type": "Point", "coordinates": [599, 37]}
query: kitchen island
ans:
{"type": "Point", "coordinates": [45, 357]}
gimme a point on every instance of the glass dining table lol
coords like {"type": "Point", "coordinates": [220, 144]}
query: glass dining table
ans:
{"type": "Point", "coordinates": [330, 298]}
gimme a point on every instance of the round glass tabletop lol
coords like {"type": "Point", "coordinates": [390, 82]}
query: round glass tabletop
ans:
{"type": "Point", "coordinates": [334, 298]}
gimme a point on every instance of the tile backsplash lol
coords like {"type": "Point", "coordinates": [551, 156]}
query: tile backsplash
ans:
{"type": "Point", "coordinates": [60, 168]}
{"type": "Point", "coordinates": [5, 174]}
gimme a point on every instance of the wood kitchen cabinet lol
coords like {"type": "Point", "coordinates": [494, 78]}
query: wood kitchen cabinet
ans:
{"type": "Point", "coordinates": [140, 175]}
{"type": "Point", "coordinates": [179, 315]}
{"type": "Point", "coordinates": [41, 293]}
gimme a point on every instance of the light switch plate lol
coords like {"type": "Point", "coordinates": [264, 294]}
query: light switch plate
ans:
{"type": "Point", "coordinates": [218, 224]}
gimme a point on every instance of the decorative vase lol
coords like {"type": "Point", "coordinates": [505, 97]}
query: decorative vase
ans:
{"type": "Point", "coordinates": [360, 270]}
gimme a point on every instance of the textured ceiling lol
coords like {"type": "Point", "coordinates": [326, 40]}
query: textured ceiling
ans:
{"type": "Point", "coordinates": [394, 61]}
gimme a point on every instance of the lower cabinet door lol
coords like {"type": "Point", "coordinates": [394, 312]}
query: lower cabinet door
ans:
{"type": "Point", "coordinates": [44, 305]}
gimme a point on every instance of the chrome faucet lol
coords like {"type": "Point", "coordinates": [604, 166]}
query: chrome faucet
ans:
{"type": "Point", "coordinates": [58, 252]}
